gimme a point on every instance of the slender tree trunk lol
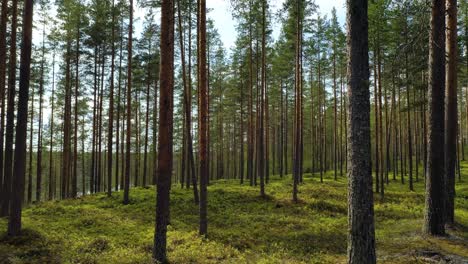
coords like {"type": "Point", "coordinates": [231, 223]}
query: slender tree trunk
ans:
{"type": "Point", "coordinates": [165, 138]}
{"type": "Point", "coordinates": [95, 107]}
{"type": "Point", "coordinates": [425, 132]}
{"type": "Point", "coordinates": [111, 108]}
{"type": "Point", "coordinates": [83, 161]}
{"type": "Point", "coordinates": [31, 137]}
{"type": "Point", "coordinates": [123, 138]}
{"type": "Point", "coordinates": [298, 103]}
{"type": "Point", "coordinates": [39, 132]}
{"type": "Point", "coordinates": [203, 115]}
{"type": "Point", "coordinates": [381, 136]}
{"type": "Point", "coordinates": [250, 150]}
{"type": "Point", "coordinates": [377, 134]}
{"type": "Point", "coordinates": [408, 122]}
{"type": "Point", "coordinates": [451, 117]}
{"type": "Point", "coordinates": [381, 131]}
{"type": "Point", "coordinates": [52, 178]}
{"type": "Point", "coordinates": [65, 170]}
{"type": "Point", "coordinates": [435, 182]}
{"type": "Point", "coordinates": [335, 123]}
{"type": "Point", "coordinates": [3, 61]}
{"type": "Point", "coordinates": [400, 137]}
{"type": "Point", "coordinates": [10, 115]}
{"type": "Point", "coordinates": [100, 178]}
{"type": "Point", "coordinates": [261, 139]}
{"type": "Point", "coordinates": [281, 145]}
{"type": "Point", "coordinates": [75, 126]}
{"type": "Point", "coordinates": [137, 138]}
{"type": "Point", "coordinates": [129, 106]}
{"type": "Point", "coordinates": [145, 155]}
{"type": "Point", "coordinates": [190, 173]}
{"type": "Point", "coordinates": [155, 136]}
{"type": "Point", "coordinates": [321, 111]}
{"type": "Point", "coordinates": [187, 106]}
{"type": "Point", "coordinates": [14, 223]}
{"type": "Point", "coordinates": [241, 158]}
{"type": "Point", "coordinates": [117, 130]}
{"type": "Point", "coordinates": [342, 116]}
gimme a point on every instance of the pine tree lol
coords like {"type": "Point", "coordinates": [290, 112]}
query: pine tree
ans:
{"type": "Point", "coordinates": [435, 183]}
{"type": "Point", "coordinates": [165, 129]}
{"type": "Point", "coordinates": [361, 237]}
{"type": "Point", "coordinates": [14, 223]}
{"type": "Point", "coordinates": [451, 110]}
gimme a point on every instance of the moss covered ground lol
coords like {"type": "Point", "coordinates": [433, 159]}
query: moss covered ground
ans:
{"type": "Point", "coordinates": [243, 228]}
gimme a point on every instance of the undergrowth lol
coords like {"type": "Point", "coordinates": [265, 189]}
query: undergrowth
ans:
{"type": "Point", "coordinates": [242, 227]}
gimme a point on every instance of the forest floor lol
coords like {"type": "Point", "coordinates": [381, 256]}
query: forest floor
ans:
{"type": "Point", "coordinates": [243, 228]}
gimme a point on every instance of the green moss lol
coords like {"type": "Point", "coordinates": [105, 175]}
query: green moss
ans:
{"type": "Point", "coordinates": [243, 227]}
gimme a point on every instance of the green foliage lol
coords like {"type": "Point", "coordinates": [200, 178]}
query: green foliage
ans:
{"type": "Point", "coordinates": [243, 228]}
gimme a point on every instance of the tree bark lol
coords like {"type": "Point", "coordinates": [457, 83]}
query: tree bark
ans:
{"type": "Point", "coordinates": [451, 114]}
{"type": "Point", "coordinates": [10, 115]}
{"type": "Point", "coordinates": [203, 115]}
{"type": "Point", "coordinates": [31, 137]}
{"type": "Point", "coordinates": [188, 118]}
{"type": "Point", "coordinates": [361, 237]}
{"type": "Point", "coordinates": [129, 108]}
{"type": "Point", "coordinates": [39, 132]}
{"type": "Point", "coordinates": [3, 61]}
{"type": "Point", "coordinates": [165, 137]}
{"type": "Point", "coordinates": [111, 107]}
{"type": "Point", "coordinates": [435, 182]}
{"type": "Point", "coordinates": [52, 178]}
{"type": "Point", "coordinates": [14, 224]}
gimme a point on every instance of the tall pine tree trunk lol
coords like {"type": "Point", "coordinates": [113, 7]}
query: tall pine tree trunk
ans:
{"type": "Point", "coordinates": [111, 107]}
{"type": "Point", "coordinates": [361, 237]}
{"type": "Point", "coordinates": [39, 132]}
{"type": "Point", "coordinates": [52, 178]}
{"type": "Point", "coordinates": [203, 116]}
{"type": "Point", "coordinates": [3, 55]}
{"type": "Point", "coordinates": [129, 108]}
{"type": "Point", "coordinates": [10, 115]}
{"type": "Point", "coordinates": [14, 224]}
{"type": "Point", "coordinates": [435, 182]}
{"type": "Point", "coordinates": [31, 138]}
{"type": "Point", "coordinates": [165, 137]}
{"type": "Point", "coordinates": [451, 118]}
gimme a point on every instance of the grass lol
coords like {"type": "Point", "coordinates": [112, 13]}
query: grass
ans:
{"type": "Point", "coordinates": [243, 227]}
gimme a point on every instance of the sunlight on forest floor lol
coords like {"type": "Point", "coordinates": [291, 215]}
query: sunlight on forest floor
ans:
{"type": "Point", "coordinates": [243, 228]}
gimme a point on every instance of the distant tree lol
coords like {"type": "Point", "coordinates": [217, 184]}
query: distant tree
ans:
{"type": "Point", "coordinates": [261, 139]}
{"type": "Point", "coordinates": [44, 22]}
{"type": "Point", "coordinates": [31, 150]}
{"type": "Point", "coordinates": [129, 107]}
{"type": "Point", "coordinates": [188, 142]}
{"type": "Point", "coordinates": [52, 179]}
{"type": "Point", "coordinates": [203, 130]}
{"type": "Point", "coordinates": [110, 130]}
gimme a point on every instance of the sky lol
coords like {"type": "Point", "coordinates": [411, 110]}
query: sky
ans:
{"type": "Point", "coordinates": [225, 23]}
